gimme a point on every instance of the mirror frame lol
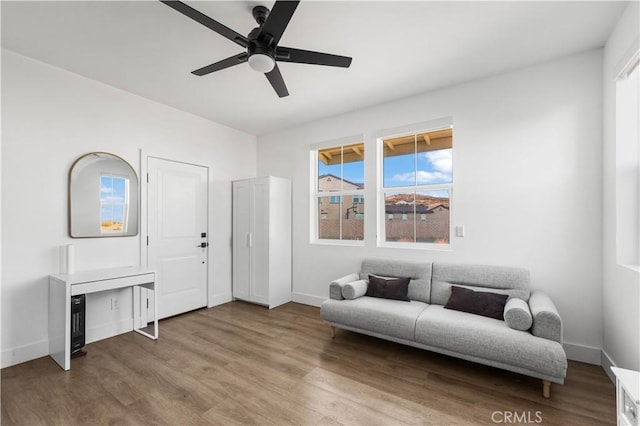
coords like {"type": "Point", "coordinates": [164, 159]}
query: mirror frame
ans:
{"type": "Point", "coordinates": [133, 195]}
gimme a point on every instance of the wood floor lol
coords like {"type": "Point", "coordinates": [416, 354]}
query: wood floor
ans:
{"type": "Point", "coordinates": [243, 364]}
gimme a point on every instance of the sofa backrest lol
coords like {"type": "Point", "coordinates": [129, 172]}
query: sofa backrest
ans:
{"type": "Point", "coordinates": [419, 272]}
{"type": "Point", "coordinates": [495, 279]}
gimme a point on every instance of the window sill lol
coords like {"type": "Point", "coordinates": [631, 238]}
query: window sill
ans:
{"type": "Point", "coordinates": [417, 246]}
{"type": "Point", "coordinates": [345, 243]}
{"type": "Point", "coordinates": [634, 268]}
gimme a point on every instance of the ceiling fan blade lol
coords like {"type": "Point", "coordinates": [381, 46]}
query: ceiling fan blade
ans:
{"type": "Point", "coordinates": [207, 22]}
{"type": "Point", "coordinates": [220, 65]}
{"type": "Point", "coordinates": [275, 78]}
{"type": "Point", "coordinates": [299, 56]}
{"type": "Point", "coordinates": [277, 21]}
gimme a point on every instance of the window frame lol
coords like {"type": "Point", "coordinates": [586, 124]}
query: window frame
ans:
{"type": "Point", "coordinates": [627, 159]}
{"type": "Point", "coordinates": [315, 195]}
{"type": "Point", "coordinates": [381, 191]}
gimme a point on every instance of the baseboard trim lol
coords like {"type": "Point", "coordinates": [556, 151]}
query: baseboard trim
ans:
{"type": "Point", "coordinates": [106, 330]}
{"type": "Point", "coordinates": [307, 299]}
{"type": "Point", "coordinates": [581, 353]}
{"type": "Point", "coordinates": [607, 363]}
{"type": "Point", "coordinates": [24, 353]}
{"type": "Point", "coordinates": [39, 349]}
{"type": "Point", "coordinates": [219, 299]}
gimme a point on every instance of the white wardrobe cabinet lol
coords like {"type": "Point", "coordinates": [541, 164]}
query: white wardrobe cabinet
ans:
{"type": "Point", "coordinates": [262, 240]}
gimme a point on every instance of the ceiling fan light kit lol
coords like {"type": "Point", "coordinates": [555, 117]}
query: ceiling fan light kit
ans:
{"type": "Point", "coordinates": [261, 62]}
{"type": "Point", "coordinates": [262, 50]}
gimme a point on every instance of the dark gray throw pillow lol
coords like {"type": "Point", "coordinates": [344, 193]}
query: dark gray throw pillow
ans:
{"type": "Point", "coordinates": [477, 302]}
{"type": "Point", "coordinates": [388, 288]}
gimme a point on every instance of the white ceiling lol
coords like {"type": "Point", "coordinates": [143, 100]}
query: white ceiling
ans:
{"type": "Point", "coordinates": [398, 49]}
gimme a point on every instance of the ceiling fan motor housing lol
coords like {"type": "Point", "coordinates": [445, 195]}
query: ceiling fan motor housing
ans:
{"type": "Point", "coordinates": [261, 56]}
{"type": "Point", "coordinates": [260, 45]}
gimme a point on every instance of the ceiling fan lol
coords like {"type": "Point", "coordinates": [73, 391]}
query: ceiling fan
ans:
{"type": "Point", "coordinates": [262, 50]}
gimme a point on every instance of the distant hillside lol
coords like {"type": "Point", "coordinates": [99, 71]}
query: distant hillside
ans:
{"type": "Point", "coordinates": [421, 200]}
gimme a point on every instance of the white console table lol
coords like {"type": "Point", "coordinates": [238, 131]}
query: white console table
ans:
{"type": "Point", "coordinates": [63, 286]}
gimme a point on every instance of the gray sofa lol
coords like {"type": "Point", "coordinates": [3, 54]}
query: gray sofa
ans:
{"type": "Point", "coordinates": [423, 322]}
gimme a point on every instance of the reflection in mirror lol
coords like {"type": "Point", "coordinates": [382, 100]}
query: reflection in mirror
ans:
{"type": "Point", "coordinates": [103, 197]}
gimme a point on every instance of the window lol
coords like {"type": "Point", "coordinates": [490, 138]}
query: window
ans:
{"type": "Point", "coordinates": [339, 188]}
{"type": "Point", "coordinates": [114, 204]}
{"type": "Point", "coordinates": [417, 179]}
{"type": "Point", "coordinates": [628, 165]}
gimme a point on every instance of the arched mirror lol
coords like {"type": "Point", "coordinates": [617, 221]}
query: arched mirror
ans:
{"type": "Point", "coordinates": [103, 197]}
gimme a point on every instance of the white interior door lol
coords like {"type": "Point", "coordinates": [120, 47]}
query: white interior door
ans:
{"type": "Point", "coordinates": [177, 229]}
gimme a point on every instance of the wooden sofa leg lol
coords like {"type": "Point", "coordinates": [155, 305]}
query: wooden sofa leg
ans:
{"type": "Point", "coordinates": [333, 332]}
{"type": "Point", "coordinates": [546, 388]}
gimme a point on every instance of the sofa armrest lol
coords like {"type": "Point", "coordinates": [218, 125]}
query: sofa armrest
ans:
{"type": "Point", "coordinates": [335, 288]}
{"type": "Point", "coordinates": [546, 319]}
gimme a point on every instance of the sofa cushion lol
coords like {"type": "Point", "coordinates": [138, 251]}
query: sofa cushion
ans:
{"type": "Point", "coordinates": [489, 339]}
{"type": "Point", "coordinates": [420, 274]}
{"type": "Point", "coordinates": [496, 279]}
{"type": "Point", "coordinates": [385, 316]}
{"type": "Point", "coordinates": [388, 288]}
{"type": "Point", "coordinates": [355, 289]}
{"type": "Point", "coordinates": [477, 302]}
{"type": "Point", "coordinates": [335, 288]}
{"type": "Point", "coordinates": [517, 314]}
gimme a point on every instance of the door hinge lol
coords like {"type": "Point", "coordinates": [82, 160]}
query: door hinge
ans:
{"type": "Point", "coordinates": [147, 240]}
{"type": "Point", "coordinates": [147, 177]}
{"type": "Point", "coordinates": [147, 303]}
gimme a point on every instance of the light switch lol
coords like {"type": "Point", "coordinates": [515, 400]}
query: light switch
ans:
{"type": "Point", "coordinates": [460, 231]}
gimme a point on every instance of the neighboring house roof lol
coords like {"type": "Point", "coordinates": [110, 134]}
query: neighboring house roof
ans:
{"type": "Point", "coordinates": [358, 185]}
{"type": "Point", "coordinates": [444, 206]}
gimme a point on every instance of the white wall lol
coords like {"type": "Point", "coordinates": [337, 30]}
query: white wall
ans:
{"type": "Point", "coordinates": [528, 187]}
{"type": "Point", "coordinates": [50, 117]}
{"type": "Point", "coordinates": [621, 285]}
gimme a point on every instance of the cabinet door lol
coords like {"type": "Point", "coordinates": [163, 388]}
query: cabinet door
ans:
{"type": "Point", "coordinates": [242, 207]}
{"type": "Point", "coordinates": [259, 292]}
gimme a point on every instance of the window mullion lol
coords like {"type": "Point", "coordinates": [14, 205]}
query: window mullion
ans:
{"type": "Point", "coordinates": [415, 185]}
{"type": "Point", "coordinates": [341, 204]}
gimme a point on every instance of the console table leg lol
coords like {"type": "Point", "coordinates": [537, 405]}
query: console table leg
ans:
{"type": "Point", "coordinates": [546, 388]}
{"type": "Point", "coordinates": [333, 332]}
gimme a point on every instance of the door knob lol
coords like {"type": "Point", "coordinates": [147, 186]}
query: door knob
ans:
{"type": "Point", "coordinates": [203, 245]}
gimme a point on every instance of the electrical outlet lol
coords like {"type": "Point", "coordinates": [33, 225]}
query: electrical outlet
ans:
{"type": "Point", "coordinates": [115, 304]}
